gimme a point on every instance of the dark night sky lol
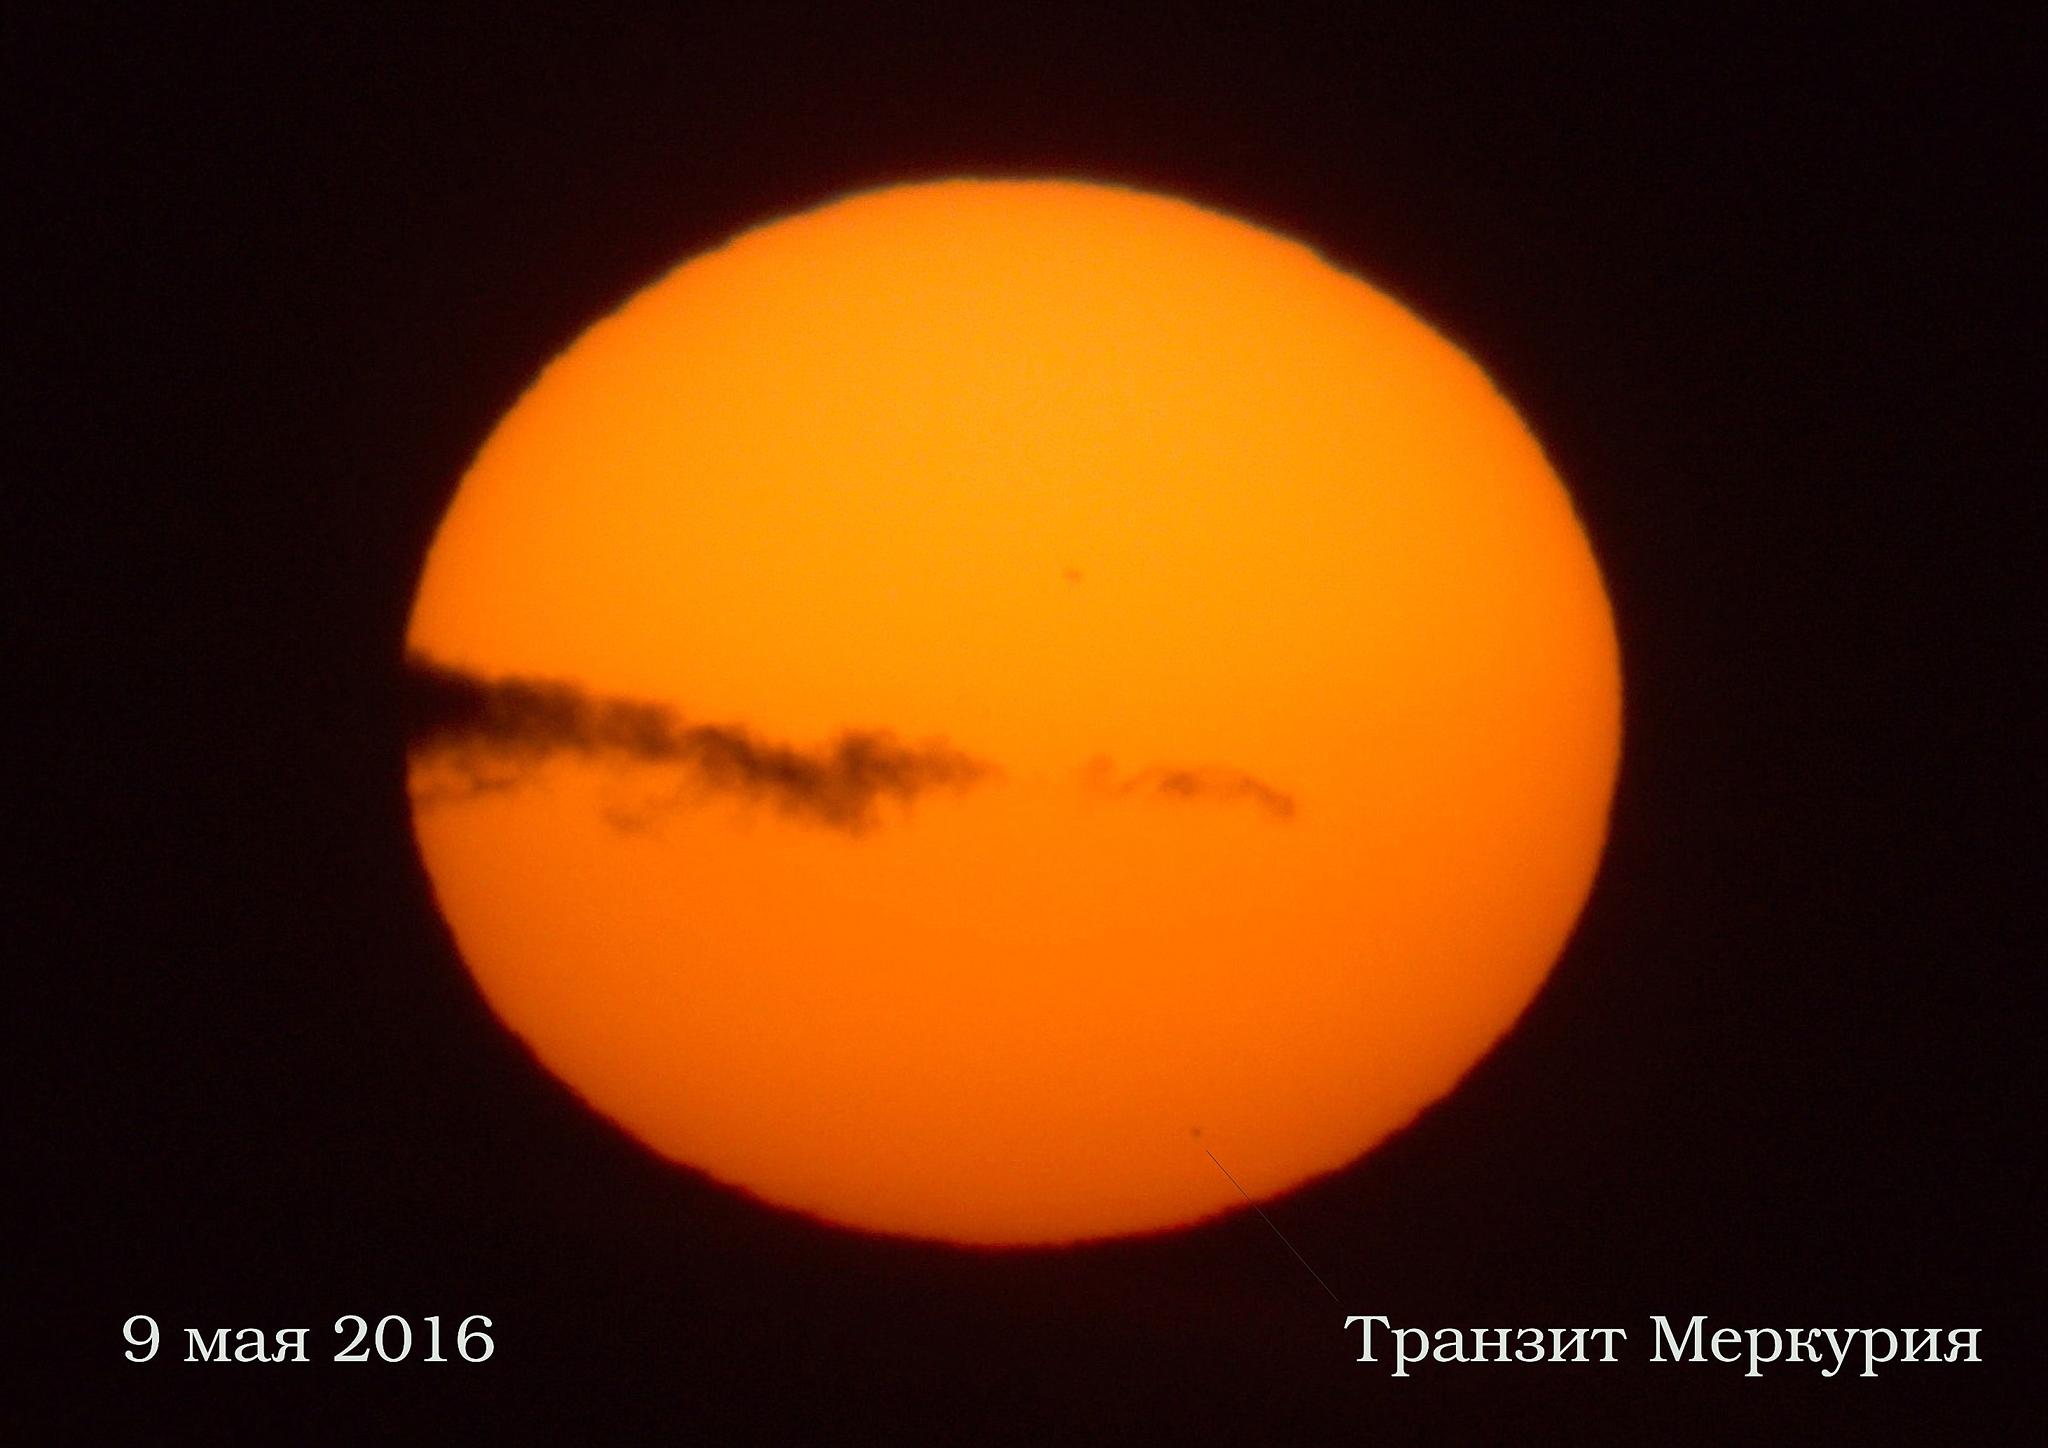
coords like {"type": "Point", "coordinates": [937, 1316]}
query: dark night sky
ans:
{"type": "Point", "coordinates": [1758, 287]}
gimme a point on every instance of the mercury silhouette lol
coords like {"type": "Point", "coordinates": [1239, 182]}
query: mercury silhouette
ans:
{"type": "Point", "coordinates": [951, 706]}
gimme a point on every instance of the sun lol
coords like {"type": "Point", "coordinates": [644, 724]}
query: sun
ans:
{"type": "Point", "coordinates": [950, 707]}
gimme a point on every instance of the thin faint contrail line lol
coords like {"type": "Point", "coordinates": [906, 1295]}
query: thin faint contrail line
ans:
{"type": "Point", "coordinates": [1269, 1222]}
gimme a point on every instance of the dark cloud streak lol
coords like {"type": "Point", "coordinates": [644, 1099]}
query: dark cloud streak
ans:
{"type": "Point", "coordinates": [1190, 783]}
{"type": "Point", "coordinates": [493, 732]}
{"type": "Point", "coordinates": [490, 735]}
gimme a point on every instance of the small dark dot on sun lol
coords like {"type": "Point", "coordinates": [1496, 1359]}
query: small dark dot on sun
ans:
{"type": "Point", "coordinates": [1194, 1131]}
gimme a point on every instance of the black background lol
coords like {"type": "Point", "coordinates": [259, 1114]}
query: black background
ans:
{"type": "Point", "coordinates": [1756, 284]}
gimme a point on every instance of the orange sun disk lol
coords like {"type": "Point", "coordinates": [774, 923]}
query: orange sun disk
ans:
{"type": "Point", "coordinates": [957, 703]}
